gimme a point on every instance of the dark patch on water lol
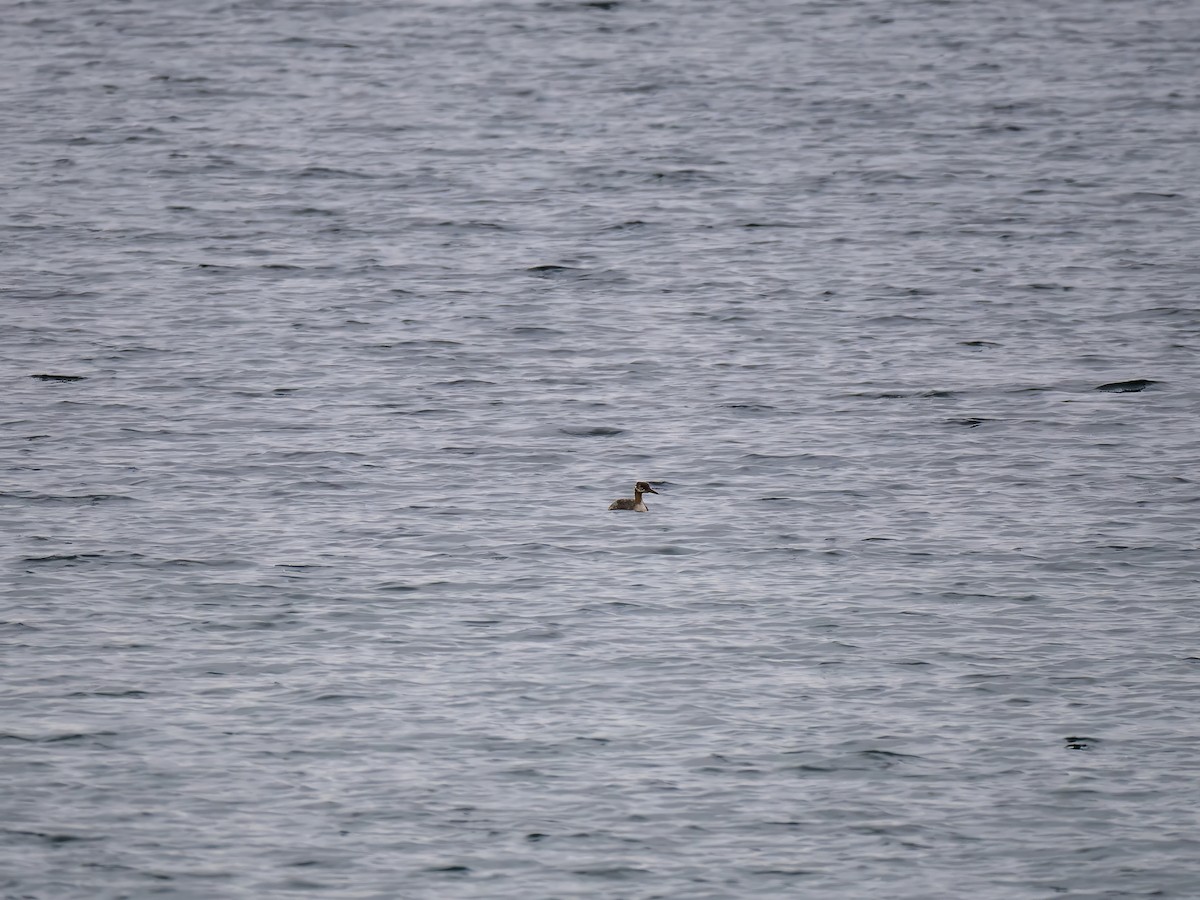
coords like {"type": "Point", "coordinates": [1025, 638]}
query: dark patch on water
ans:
{"type": "Point", "coordinates": [787, 873]}
{"type": "Point", "coordinates": [593, 431]}
{"type": "Point", "coordinates": [1133, 386]}
{"type": "Point", "coordinates": [74, 736]}
{"type": "Point", "coordinates": [551, 271]}
{"type": "Point", "coordinates": [750, 407]}
{"type": "Point", "coordinates": [323, 172]}
{"type": "Point", "coordinates": [64, 558]}
{"type": "Point", "coordinates": [54, 839]}
{"type": "Point", "coordinates": [89, 499]}
{"type": "Point", "coordinates": [910, 395]}
{"type": "Point", "coordinates": [611, 872]}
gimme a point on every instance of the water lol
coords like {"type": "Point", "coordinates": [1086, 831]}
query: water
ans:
{"type": "Point", "coordinates": [331, 330]}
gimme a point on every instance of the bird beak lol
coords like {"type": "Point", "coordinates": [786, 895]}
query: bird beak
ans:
{"type": "Point", "coordinates": [651, 490]}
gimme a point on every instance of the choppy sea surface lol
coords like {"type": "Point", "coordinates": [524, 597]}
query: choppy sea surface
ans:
{"type": "Point", "coordinates": [330, 330]}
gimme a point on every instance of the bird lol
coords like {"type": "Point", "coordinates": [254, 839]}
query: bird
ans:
{"type": "Point", "coordinates": [636, 504]}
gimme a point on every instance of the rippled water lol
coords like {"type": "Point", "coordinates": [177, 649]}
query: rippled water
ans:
{"type": "Point", "coordinates": [331, 330]}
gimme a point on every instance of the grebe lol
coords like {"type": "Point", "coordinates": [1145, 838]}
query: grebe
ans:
{"type": "Point", "coordinates": [636, 503]}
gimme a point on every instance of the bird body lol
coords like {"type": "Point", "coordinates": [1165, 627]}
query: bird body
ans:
{"type": "Point", "coordinates": [636, 504]}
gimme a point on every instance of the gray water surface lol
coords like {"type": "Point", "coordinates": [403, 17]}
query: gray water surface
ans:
{"type": "Point", "coordinates": [331, 330]}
